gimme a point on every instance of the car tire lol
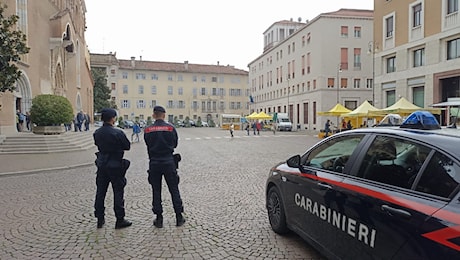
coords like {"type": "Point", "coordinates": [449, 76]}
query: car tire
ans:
{"type": "Point", "coordinates": [276, 213]}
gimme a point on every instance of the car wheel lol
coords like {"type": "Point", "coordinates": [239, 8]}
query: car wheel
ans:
{"type": "Point", "coordinates": [276, 214]}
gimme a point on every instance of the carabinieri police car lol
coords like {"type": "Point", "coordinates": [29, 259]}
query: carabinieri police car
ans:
{"type": "Point", "coordinates": [374, 193]}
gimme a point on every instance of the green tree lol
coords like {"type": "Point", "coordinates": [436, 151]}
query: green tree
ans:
{"type": "Point", "coordinates": [12, 45]}
{"type": "Point", "coordinates": [101, 90]}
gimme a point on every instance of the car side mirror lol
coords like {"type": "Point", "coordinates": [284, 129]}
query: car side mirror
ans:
{"type": "Point", "coordinates": [294, 161]}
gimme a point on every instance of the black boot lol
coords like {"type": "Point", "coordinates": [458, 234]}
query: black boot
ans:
{"type": "Point", "coordinates": [100, 222]}
{"type": "Point", "coordinates": [158, 222]}
{"type": "Point", "coordinates": [180, 220]}
{"type": "Point", "coordinates": [122, 223]}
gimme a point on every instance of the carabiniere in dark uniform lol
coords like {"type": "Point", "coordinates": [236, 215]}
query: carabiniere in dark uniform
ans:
{"type": "Point", "coordinates": [161, 140]}
{"type": "Point", "coordinates": [111, 168]}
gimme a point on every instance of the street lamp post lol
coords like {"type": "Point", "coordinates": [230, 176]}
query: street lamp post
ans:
{"type": "Point", "coordinates": [371, 50]}
{"type": "Point", "coordinates": [339, 69]}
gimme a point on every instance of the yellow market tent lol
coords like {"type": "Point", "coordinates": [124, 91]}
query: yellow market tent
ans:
{"type": "Point", "coordinates": [363, 111]}
{"type": "Point", "coordinates": [262, 115]}
{"type": "Point", "coordinates": [251, 116]}
{"type": "Point", "coordinates": [403, 107]}
{"type": "Point", "coordinates": [337, 110]}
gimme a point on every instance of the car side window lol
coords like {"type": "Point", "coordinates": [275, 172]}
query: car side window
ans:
{"type": "Point", "coordinates": [440, 177]}
{"type": "Point", "coordinates": [393, 161]}
{"type": "Point", "coordinates": [333, 154]}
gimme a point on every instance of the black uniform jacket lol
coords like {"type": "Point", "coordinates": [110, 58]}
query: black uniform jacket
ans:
{"type": "Point", "coordinates": [161, 139]}
{"type": "Point", "coordinates": [112, 143]}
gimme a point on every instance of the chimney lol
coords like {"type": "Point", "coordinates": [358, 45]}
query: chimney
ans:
{"type": "Point", "coordinates": [133, 62]}
{"type": "Point", "coordinates": [186, 64]}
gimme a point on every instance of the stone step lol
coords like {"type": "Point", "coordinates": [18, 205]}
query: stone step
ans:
{"type": "Point", "coordinates": [50, 141]}
{"type": "Point", "coordinates": [39, 146]}
{"type": "Point", "coordinates": [47, 151]}
{"type": "Point", "coordinates": [35, 142]}
{"type": "Point", "coordinates": [29, 143]}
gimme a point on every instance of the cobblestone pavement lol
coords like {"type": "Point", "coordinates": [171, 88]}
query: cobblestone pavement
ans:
{"type": "Point", "coordinates": [49, 215]}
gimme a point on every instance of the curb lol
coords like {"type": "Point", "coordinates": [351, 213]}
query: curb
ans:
{"type": "Point", "coordinates": [27, 172]}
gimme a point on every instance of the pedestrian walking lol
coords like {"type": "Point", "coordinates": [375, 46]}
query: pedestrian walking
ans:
{"type": "Point", "coordinates": [161, 140]}
{"type": "Point", "coordinates": [87, 121]}
{"type": "Point", "coordinates": [75, 123]}
{"type": "Point", "coordinates": [28, 121]}
{"type": "Point", "coordinates": [232, 128]}
{"type": "Point", "coordinates": [247, 127]}
{"type": "Point", "coordinates": [21, 118]}
{"type": "Point", "coordinates": [327, 128]}
{"type": "Point", "coordinates": [254, 128]}
{"type": "Point", "coordinates": [17, 123]}
{"type": "Point", "coordinates": [68, 126]}
{"type": "Point", "coordinates": [80, 118]}
{"type": "Point", "coordinates": [258, 127]}
{"type": "Point", "coordinates": [136, 131]}
{"type": "Point", "coordinates": [111, 168]}
{"type": "Point", "coordinates": [349, 126]}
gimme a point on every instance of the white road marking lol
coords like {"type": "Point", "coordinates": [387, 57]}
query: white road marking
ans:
{"type": "Point", "coordinates": [238, 136]}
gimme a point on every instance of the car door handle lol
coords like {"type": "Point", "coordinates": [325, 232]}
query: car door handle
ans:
{"type": "Point", "coordinates": [325, 186]}
{"type": "Point", "coordinates": [284, 179]}
{"type": "Point", "coordinates": [395, 212]}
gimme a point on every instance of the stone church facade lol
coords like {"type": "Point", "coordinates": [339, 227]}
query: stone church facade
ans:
{"type": "Point", "coordinates": [58, 61]}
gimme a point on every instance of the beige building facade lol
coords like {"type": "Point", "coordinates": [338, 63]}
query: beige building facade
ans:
{"type": "Point", "coordinates": [58, 60]}
{"type": "Point", "coordinates": [314, 66]}
{"type": "Point", "coordinates": [417, 54]}
{"type": "Point", "coordinates": [186, 90]}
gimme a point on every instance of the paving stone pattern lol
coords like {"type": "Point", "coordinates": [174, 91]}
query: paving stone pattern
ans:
{"type": "Point", "coordinates": [49, 215]}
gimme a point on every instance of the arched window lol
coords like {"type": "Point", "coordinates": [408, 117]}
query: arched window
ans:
{"type": "Point", "coordinates": [78, 65]}
{"type": "Point", "coordinates": [21, 12]}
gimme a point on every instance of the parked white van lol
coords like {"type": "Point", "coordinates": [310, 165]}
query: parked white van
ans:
{"type": "Point", "coordinates": [283, 123]}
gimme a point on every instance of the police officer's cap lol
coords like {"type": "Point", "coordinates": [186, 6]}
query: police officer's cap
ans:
{"type": "Point", "coordinates": [159, 109]}
{"type": "Point", "coordinates": [107, 114]}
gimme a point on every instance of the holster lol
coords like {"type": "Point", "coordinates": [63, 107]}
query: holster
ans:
{"type": "Point", "coordinates": [125, 163]}
{"type": "Point", "coordinates": [177, 158]}
{"type": "Point", "coordinates": [101, 160]}
{"type": "Point", "coordinates": [104, 161]}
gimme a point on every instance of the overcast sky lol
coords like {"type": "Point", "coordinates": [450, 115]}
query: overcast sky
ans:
{"type": "Point", "coordinates": [197, 31]}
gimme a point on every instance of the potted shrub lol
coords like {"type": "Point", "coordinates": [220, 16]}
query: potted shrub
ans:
{"type": "Point", "coordinates": [49, 112]}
